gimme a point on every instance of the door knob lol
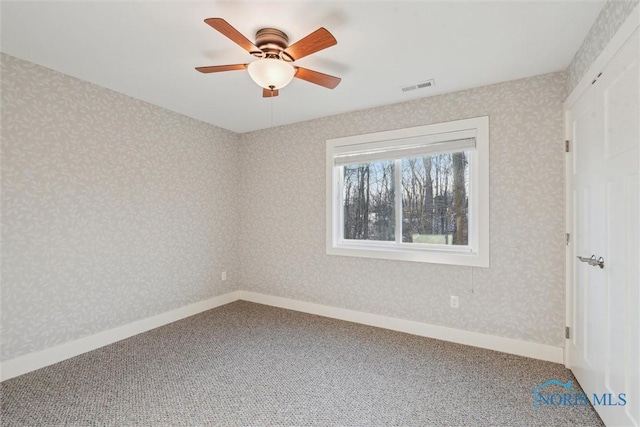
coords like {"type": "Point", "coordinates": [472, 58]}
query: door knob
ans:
{"type": "Point", "coordinates": [593, 261]}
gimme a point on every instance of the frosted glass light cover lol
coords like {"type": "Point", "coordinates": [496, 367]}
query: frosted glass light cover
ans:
{"type": "Point", "coordinates": [270, 72]}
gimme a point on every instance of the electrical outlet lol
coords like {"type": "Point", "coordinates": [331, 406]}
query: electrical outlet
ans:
{"type": "Point", "coordinates": [454, 301]}
{"type": "Point", "coordinates": [224, 275]}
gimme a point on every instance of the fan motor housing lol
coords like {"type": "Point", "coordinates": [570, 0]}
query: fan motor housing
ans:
{"type": "Point", "coordinates": [271, 41]}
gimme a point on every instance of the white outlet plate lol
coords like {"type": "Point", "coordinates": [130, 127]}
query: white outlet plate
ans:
{"type": "Point", "coordinates": [455, 303]}
{"type": "Point", "coordinates": [224, 275]}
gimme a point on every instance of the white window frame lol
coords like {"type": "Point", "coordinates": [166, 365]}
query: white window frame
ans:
{"type": "Point", "coordinates": [475, 254]}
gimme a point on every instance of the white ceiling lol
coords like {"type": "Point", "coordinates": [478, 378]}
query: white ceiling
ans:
{"type": "Point", "coordinates": [148, 50]}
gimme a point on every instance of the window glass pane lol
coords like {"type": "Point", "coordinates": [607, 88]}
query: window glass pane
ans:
{"type": "Point", "coordinates": [435, 199]}
{"type": "Point", "coordinates": [368, 201]}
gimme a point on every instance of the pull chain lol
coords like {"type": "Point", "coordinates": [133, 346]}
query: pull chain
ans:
{"type": "Point", "coordinates": [271, 101]}
{"type": "Point", "coordinates": [471, 268]}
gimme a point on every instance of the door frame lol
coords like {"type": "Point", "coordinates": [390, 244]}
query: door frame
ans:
{"type": "Point", "coordinates": [626, 30]}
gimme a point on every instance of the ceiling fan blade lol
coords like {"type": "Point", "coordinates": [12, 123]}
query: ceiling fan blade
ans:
{"type": "Point", "coordinates": [314, 42]}
{"type": "Point", "coordinates": [318, 78]}
{"type": "Point", "coordinates": [268, 93]}
{"type": "Point", "coordinates": [219, 68]}
{"type": "Point", "coordinates": [234, 35]}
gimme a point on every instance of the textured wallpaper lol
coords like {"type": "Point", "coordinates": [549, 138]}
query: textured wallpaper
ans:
{"type": "Point", "coordinates": [612, 16]}
{"type": "Point", "coordinates": [521, 296]}
{"type": "Point", "coordinates": [112, 209]}
{"type": "Point", "coordinates": [115, 210]}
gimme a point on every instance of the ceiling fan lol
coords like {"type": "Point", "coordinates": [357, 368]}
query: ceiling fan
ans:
{"type": "Point", "coordinates": [274, 70]}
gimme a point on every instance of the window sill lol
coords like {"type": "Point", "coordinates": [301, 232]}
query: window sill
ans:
{"type": "Point", "coordinates": [445, 256]}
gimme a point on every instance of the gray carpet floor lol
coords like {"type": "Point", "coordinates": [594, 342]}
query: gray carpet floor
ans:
{"type": "Point", "coordinates": [254, 365]}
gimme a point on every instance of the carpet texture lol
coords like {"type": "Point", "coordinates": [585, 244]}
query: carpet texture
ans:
{"type": "Point", "coordinates": [250, 364]}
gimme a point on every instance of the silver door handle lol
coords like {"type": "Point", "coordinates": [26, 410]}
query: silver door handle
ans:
{"type": "Point", "coordinates": [593, 261]}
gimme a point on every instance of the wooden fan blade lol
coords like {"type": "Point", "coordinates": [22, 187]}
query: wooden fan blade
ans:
{"type": "Point", "coordinates": [219, 68]}
{"type": "Point", "coordinates": [234, 35]}
{"type": "Point", "coordinates": [314, 42]}
{"type": "Point", "coordinates": [318, 78]}
{"type": "Point", "coordinates": [268, 93]}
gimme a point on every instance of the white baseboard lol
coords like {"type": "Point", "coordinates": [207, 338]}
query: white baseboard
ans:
{"type": "Point", "coordinates": [460, 336]}
{"type": "Point", "coordinates": [32, 361]}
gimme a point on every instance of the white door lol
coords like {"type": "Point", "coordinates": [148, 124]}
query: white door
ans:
{"type": "Point", "coordinates": [586, 138]}
{"type": "Point", "coordinates": [605, 302]}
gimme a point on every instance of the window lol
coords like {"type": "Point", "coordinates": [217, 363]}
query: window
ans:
{"type": "Point", "coordinates": [415, 194]}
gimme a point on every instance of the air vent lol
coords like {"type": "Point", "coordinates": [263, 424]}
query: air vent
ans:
{"type": "Point", "coordinates": [421, 85]}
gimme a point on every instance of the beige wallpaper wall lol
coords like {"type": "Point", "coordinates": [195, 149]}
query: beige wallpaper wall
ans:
{"type": "Point", "coordinates": [611, 17]}
{"type": "Point", "coordinates": [112, 209]}
{"type": "Point", "coordinates": [282, 212]}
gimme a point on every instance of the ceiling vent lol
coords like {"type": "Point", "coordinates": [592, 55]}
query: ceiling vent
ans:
{"type": "Point", "coordinates": [421, 85]}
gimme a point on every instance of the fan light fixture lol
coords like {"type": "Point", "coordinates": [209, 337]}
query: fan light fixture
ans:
{"type": "Point", "coordinates": [274, 69]}
{"type": "Point", "coordinates": [271, 73]}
